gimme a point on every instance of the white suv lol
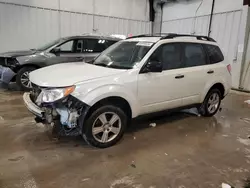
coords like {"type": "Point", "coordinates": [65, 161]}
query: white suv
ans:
{"type": "Point", "coordinates": [133, 77]}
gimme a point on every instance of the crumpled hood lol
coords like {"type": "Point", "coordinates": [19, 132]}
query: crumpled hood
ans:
{"type": "Point", "coordinates": [17, 53]}
{"type": "Point", "coordinates": [68, 74]}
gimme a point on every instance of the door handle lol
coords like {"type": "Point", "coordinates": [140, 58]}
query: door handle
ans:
{"type": "Point", "coordinates": [210, 72]}
{"type": "Point", "coordinates": [179, 77]}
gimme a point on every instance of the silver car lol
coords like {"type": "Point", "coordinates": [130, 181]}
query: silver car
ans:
{"type": "Point", "coordinates": [16, 66]}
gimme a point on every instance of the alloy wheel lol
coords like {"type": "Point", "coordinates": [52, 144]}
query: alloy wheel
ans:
{"type": "Point", "coordinates": [25, 80]}
{"type": "Point", "coordinates": [213, 103]}
{"type": "Point", "coordinates": [106, 127]}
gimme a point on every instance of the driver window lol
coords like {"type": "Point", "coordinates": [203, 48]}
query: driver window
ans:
{"type": "Point", "coordinates": [67, 47]}
{"type": "Point", "coordinates": [169, 55]}
{"type": "Point", "coordinates": [156, 55]}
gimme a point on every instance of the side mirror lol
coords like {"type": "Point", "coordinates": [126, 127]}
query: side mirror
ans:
{"type": "Point", "coordinates": [55, 50]}
{"type": "Point", "coordinates": [153, 66]}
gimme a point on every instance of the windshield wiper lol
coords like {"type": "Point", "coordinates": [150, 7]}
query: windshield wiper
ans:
{"type": "Point", "coordinates": [101, 64]}
{"type": "Point", "coordinates": [112, 66]}
{"type": "Point", "coordinates": [90, 62]}
{"type": "Point", "coordinates": [119, 67]}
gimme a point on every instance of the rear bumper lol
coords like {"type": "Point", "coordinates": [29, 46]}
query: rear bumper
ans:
{"type": "Point", "coordinates": [227, 88]}
{"type": "Point", "coordinates": [6, 74]}
{"type": "Point", "coordinates": [32, 107]}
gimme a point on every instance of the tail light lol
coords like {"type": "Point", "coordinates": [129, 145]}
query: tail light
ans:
{"type": "Point", "coordinates": [229, 68]}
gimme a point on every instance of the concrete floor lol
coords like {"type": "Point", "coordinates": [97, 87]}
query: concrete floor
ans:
{"type": "Point", "coordinates": [182, 151]}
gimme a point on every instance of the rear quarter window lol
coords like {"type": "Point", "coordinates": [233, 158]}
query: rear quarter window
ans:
{"type": "Point", "coordinates": [214, 53]}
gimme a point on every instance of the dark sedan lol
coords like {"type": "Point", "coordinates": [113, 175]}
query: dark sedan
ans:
{"type": "Point", "coordinates": [16, 66]}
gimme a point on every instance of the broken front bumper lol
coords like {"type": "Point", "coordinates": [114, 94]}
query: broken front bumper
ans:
{"type": "Point", "coordinates": [6, 74]}
{"type": "Point", "coordinates": [69, 111]}
{"type": "Point", "coordinates": [32, 107]}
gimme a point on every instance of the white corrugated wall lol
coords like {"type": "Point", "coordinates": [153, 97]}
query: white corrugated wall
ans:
{"type": "Point", "coordinates": [225, 30]}
{"type": "Point", "coordinates": [228, 26]}
{"type": "Point", "coordinates": [28, 24]}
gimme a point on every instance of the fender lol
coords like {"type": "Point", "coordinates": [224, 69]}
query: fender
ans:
{"type": "Point", "coordinates": [211, 83]}
{"type": "Point", "coordinates": [110, 90]}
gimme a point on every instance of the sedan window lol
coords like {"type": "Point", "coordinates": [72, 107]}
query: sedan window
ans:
{"type": "Point", "coordinates": [94, 45]}
{"type": "Point", "coordinates": [67, 47]}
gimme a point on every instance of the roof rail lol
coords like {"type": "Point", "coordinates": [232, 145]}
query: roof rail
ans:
{"type": "Point", "coordinates": [173, 35]}
{"type": "Point", "coordinates": [151, 35]}
{"type": "Point", "coordinates": [143, 35]}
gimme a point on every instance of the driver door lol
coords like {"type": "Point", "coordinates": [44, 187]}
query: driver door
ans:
{"type": "Point", "coordinates": [69, 51]}
{"type": "Point", "coordinates": [162, 90]}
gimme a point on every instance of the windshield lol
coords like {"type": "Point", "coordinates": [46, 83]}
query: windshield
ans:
{"type": "Point", "coordinates": [48, 45]}
{"type": "Point", "coordinates": [123, 55]}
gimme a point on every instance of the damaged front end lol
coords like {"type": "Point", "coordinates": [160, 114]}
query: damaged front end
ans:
{"type": "Point", "coordinates": [66, 114]}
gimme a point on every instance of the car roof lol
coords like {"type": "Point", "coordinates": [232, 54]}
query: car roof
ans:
{"type": "Point", "coordinates": [93, 36]}
{"type": "Point", "coordinates": [144, 39]}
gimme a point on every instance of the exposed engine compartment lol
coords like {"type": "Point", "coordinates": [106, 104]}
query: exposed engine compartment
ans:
{"type": "Point", "coordinates": [67, 111]}
{"type": "Point", "coordinates": [68, 117]}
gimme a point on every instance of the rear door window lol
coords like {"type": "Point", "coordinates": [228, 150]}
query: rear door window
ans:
{"type": "Point", "coordinates": [214, 53]}
{"type": "Point", "coordinates": [94, 45]}
{"type": "Point", "coordinates": [194, 55]}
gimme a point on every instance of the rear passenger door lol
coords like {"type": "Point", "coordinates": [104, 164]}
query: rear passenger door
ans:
{"type": "Point", "coordinates": [215, 68]}
{"type": "Point", "coordinates": [194, 72]}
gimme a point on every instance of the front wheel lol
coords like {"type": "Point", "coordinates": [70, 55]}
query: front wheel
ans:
{"type": "Point", "coordinates": [105, 126]}
{"type": "Point", "coordinates": [22, 78]}
{"type": "Point", "coordinates": [211, 104]}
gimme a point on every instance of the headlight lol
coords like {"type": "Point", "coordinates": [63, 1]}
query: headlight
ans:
{"type": "Point", "coordinates": [52, 95]}
{"type": "Point", "coordinates": [11, 62]}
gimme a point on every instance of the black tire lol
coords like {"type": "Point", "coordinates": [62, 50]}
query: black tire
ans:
{"type": "Point", "coordinates": [20, 73]}
{"type": "Point", "coordinates": [88, 126]}
{"type": "Point", "coordinates": [204, 109]}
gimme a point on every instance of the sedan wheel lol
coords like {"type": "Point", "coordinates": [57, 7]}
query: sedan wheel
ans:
{"type": "Point", "coordinates": [25, 80]}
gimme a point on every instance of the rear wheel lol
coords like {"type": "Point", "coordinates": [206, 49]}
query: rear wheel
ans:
{"type": "Point", "coordinates": [105, 126]}
{"type": "Point", "coordinates": [211, 104]}
{"type": "Point", "coordinates": [22, 78]}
